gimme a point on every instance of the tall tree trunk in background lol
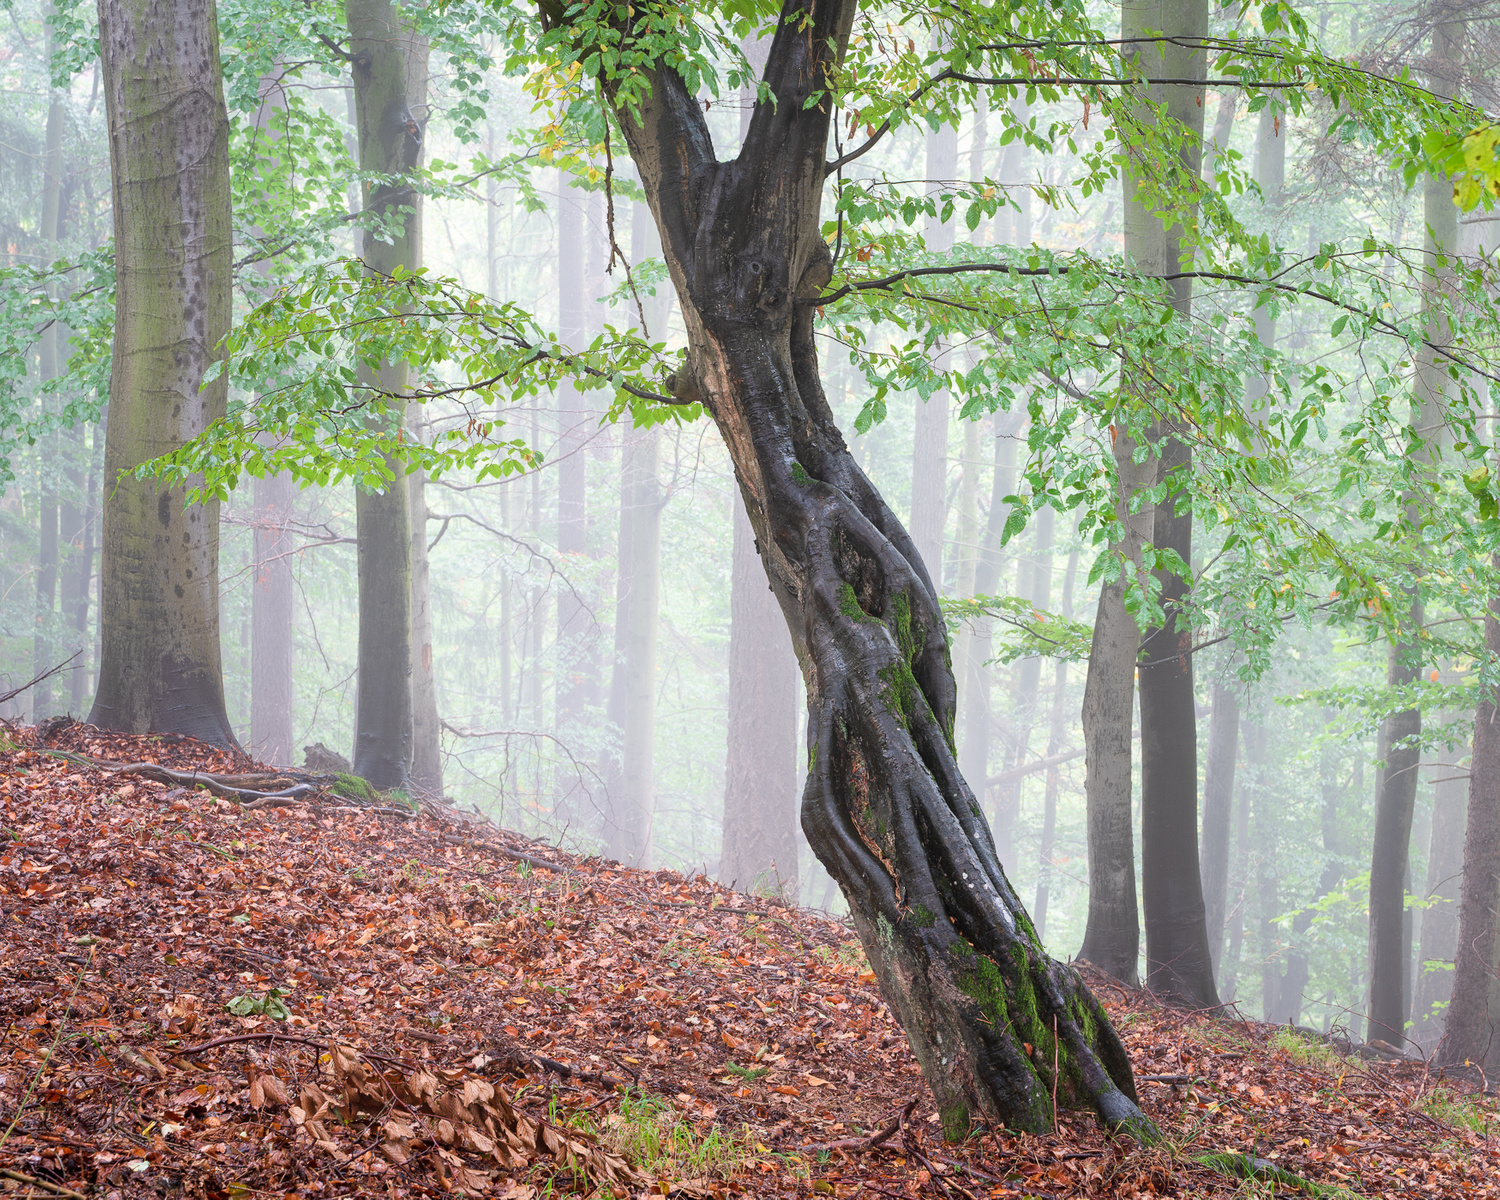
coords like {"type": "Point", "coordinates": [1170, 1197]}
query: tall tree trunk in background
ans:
{"type": "Point", "coordinates": [159, 663]}
{"type": "Point", "coordinates": [1036, 586]}
{"type": "Point", "coordinates": [1112, 937]}
{"type": "Point", "coordinates": [1401, 733]}
{"type": "Point", "coordinates": [272, 596]}
{"type": "Point", "coordinates": [272, 618]}
{"type": "Point", "coordinates": [390, 82]}
{"type": "Point", "coordinates": [1178, 963]}
{"type": "Point", "coordinates": [45, 652]}
{"type": "Point", "coordinates": [1218, 797]}
{"type": "Point", "coordinates": [929, 454]}
{"type": "Point", "coordinates": [633, 688]}
{"type": "Point", "coordinates": [1054, 748]}
{"type": "Point", "coordinates": [1239, 886]}
{"type": "Point", "coordinates": [575, 685]}
{"type": "Point", "coordinates": [1445, 863]}
{"type": "Point", "coordinates": [1469, 1031]}
{"type": "Point", "coordinates": [761, 838]}
{"type": "Point", "coordinates": [426, 725]}
{"type": "Point", "coordinates": [80, 571]}
{"type": "Point", "coordinates": [974, 739]}
{"type": "Point", "coordinates": [885, 808]}
{"type": "Point", "coordinates": [632, 692]}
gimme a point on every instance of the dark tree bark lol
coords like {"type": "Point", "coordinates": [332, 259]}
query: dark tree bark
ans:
{"type": "Point", "coordinates": [390, 85]}
{"type": "Point", "coordinates": [1218, 797]}
{"type": "Point", "coordinates": [1469, 1034]}
{"type": "Point", "coordinates": [159, 667]}
{"type": "Point", "coordinates": [885, 808]}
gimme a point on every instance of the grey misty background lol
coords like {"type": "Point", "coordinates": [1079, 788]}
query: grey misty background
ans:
{"type": "Point", "coordinates": [531, 596]}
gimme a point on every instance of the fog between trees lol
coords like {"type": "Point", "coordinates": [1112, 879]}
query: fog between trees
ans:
{"type": "Point", "coordinates": [586, 648]}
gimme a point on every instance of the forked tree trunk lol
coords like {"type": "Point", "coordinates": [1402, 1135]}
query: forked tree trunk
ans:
{"type": "Point", "coordinates": [159, 667]}
{"type": "Point", "coordinates": [885, 809]}
{"type": "Point", "coordinates": [390, 82]}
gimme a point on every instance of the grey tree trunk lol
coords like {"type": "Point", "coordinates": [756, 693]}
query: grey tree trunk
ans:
{"type": "Point", "coordinates": [46, 651]}
{"type": "Point", "coordinates": [929, 455]}
{"type": "Point", "coordinates": [78, 519]}
{"type": "Point", "coordinates": [1218, 797]}
{"type": "Point", "coordinates": [426, 725]}
{"type": "Point", "coordinates": [273, 617]}
{"type": "Point", "coordinates": [1112, 937]}
{"type": "Point", "coordinates": [1445, 864]}
{"type": "Point", "coordinates": [761, 840]}
{"type": "Point", "coordinates": [1054, 748]}
{"type": "Point", "coordinates": [390, 84]}
{"type": "Point", "coordinates": [994, 1023]}
{"type": "Point", "coordinates": [1470, 1032]}
{"type": "Point", "coordinates": [272, 599]}
{"type": "Point", "coordinates": [1036, 586]}
{"type": "Point", "coordinates": [159, 663]}
{"type": "Point", "coordinates": [1178, 963]}
{"type": "Point", "coordinates": [633, 690]}
{"type": "Point", "coordinates": [974, 740]}
{"type": "Point", "coordinates": [577, 665]}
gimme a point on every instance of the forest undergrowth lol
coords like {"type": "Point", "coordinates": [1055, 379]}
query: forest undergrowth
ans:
{"type": "Point", "coordinates": [324, 999]}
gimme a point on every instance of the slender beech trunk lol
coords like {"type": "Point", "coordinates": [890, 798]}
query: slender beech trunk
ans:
{"type": "Point", "coordinates": [45, 651]}
{"type": "Point", "coordinates": [575, 625]}
{"type": "Point", "coordinates": [1401, 732]}
{"type": "Point", "coordinates": [159, 665]}
{"type": "Point", "coordinates": [1036, 586]}
{"type": "Point", "coordinates": [1218, 797]}
{"type": "Point", "coordinates": [390, 85]}
{"type": "Point", "coordinates": [761, 838]}
{"type": "Point", "coordinates": [1112, 937]}
{"type": "Point", "coordinates": [80, 515]}
{"type": "Point", "coordinates": [1239, 883]}
{"type": "Point", "coordinates": [974, 742]}
{"type": "Point", "coordinates": [272, 598]}
{"type": "Point", "coordinates": [1055, 736]}
{"type": "Point", "coordinates": [929, 455]}
{"type": "Point", "coordinates": [633, 687]}
{"type": "Point", "coordinates": [1445, 863]}
{"type": "Point", "coordinates": [1178, 963]}
{"type": "Point", "coordinates": [885, 809]}
{"type": "Point", "coordinates": [1470, 1033]}
{"type": "Point", "coordinates": [426, 725]}
{"type": "Point", "coordinates": [272, 617]}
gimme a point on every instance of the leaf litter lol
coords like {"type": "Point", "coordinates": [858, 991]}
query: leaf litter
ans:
{"type": "Point", "coordinates": [324, 999]}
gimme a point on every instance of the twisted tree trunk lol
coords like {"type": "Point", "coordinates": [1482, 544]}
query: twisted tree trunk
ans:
{"type": "Point", "coordinates": [886, 810]}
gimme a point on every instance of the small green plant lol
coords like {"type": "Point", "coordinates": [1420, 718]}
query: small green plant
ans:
{"type": "Point", "coordinates": [748, 1074]}
{"type": "Point", "coordinates": [1460, 1111]}
{"type": "Point", "coordinates": [651, 1134]}
{"type": "Point", "coordinates": [1307, 1052]}
{"type": "Point", "coordinates": [270, 1005]}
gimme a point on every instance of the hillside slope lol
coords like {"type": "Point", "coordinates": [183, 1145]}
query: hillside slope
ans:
{"type": "Point", "coordinates": [324, 999]}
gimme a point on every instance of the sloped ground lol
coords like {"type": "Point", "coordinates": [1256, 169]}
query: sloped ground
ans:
{"type": "Point", "coordinates": [320, 1000]}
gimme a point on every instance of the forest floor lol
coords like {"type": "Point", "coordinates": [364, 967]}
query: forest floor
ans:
{"type": "Point", "coordinates": [319, 1000]}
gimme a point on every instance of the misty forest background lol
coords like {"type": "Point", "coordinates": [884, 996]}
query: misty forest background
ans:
{"type": "Point", "coordinates": [523, 614]}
